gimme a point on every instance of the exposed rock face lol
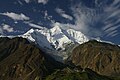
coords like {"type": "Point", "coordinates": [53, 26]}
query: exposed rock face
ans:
{"type": "Point", "coordinates": [20, 60]}
{"type": "Point", "coordinates": [100, 57]}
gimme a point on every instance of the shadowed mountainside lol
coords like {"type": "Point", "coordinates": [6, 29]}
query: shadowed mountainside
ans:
{"type": "Point", "coordinates": [20, 60]}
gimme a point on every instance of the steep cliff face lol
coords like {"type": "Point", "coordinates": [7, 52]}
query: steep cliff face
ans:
{"type": "Point", "coordinates": [21, 60]}
{"type": "Point", "coordinates": [100, 57]}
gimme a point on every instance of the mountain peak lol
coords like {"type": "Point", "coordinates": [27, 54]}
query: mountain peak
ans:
{"type": "Point", "coordinates": [55, 29]}
{"type": "Point", "coordinates": [56, 38]}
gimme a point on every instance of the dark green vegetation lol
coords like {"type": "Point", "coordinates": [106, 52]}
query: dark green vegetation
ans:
{"type": "Point", "coordinates": [22, 60]}
{"type": "Point", "coordinates": [76, 74]}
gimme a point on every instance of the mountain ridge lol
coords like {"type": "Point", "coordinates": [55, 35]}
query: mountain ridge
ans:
{"type": "Point", "coordinates": [58, 36]}
{"type": "Point", "coordinates": [102, 58]}
{"type": "Point", "coordinates": [55, 40]}
{"type": "Point", "coordinates": [20, 59]}
{"type": "Point", "coordinates": [25, 61]}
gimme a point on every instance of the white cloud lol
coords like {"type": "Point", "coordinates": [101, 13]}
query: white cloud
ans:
{"type": "Point", "coordinates": [112, 28]}
{"type": "Point", "coordinates": [27, 1]}
{"type": "Point", "coordinates": [33, 25]}
{"type": "Point", "coordinates": [1, 31]}
{"type": "Point", "coordinates": [15, 16]}
{"type": "Point", "coordinates": [115, 2]}
{"type": "Point", "coordinates": [117, 12]}
{"type": "Point", "coordinates": [7, 28]}
{"type": "Point", "coordinates": [100, 21]}
{"type": "Point", "coordinates": [85, 20]}
{"type": "Point", "coordinates": [39, 1]}
{"type": "Point", "coordinates": [112, 20]}
{"type": "Point", "coordinates": [43, 1]}
{"type": "Point", "coordinates": [107, 26]}
{"type": "Point", "coordinates": [111, 24]}
{"type": "Point", "coordinates": [48, 17]}
{"type": "Point", "coordinates": [113, 33]}
{"type": "Point", "coordinates": [63, 14]}
{"type": "Point", "coordinates": [20, 2]}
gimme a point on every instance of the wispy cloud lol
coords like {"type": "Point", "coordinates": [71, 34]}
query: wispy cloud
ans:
{"type": "Point", "coordinates": [112, 28]}
{"type": "Point", "coordinates": [39, 1]}
{"type": "Point", "coordinates": [7, 28]}
{"type": "Point", "coordinates": [48, 17]}
{"type": "Point", "coordinates": [27, 1]}
{"type": "Point", "coordinates": [19, 1]}
{"type": "Point", "coordinates": [111, 23]}
{"type": "Point", "coordinates": [86, 20]}
{"type": "Point", "coordinates": [33, 25]}
{"type": "Point", "coordinates": [113, 33]}
{"type": "Point", "coordinates": [15, 16]}
{"type": "Point", "coordinates": [113, 19]}
{"type": "Point", "coordinates": [115, 2]}
{"type": "Point", "coordinates": [114, 14]}
{"type": "Point", "coordinates": [99, 21]}
{"type": "Point", "coordinates": [62, 13]}
{"type": "Point", "coordinates": [1, 31]}
{"type": "Point", "coordinates": [43, 1]}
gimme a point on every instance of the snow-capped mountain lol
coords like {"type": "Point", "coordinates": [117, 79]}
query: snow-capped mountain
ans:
{"type": "Point", "coordinates": [55, 40]}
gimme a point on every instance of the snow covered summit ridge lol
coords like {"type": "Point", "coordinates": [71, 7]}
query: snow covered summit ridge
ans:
{"type": "Point", "coordinates": [55, 38]}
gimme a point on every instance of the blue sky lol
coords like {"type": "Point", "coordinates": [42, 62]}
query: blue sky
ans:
{"type": "Point", "coordinates": [95, 18]}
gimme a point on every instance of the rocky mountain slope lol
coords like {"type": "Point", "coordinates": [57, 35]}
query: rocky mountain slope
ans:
{"type": "Point", "coordinates": [21, 60]}
{"type": "Point", "coordinates": [103, 58]}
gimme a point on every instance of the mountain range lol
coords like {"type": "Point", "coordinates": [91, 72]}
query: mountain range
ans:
{"type": "Point", "coordinates": [55, 40]}
{"type": "Point", "coordinates": [57, 54]}
{"type": "Point", "coordinates": [59, 39]}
